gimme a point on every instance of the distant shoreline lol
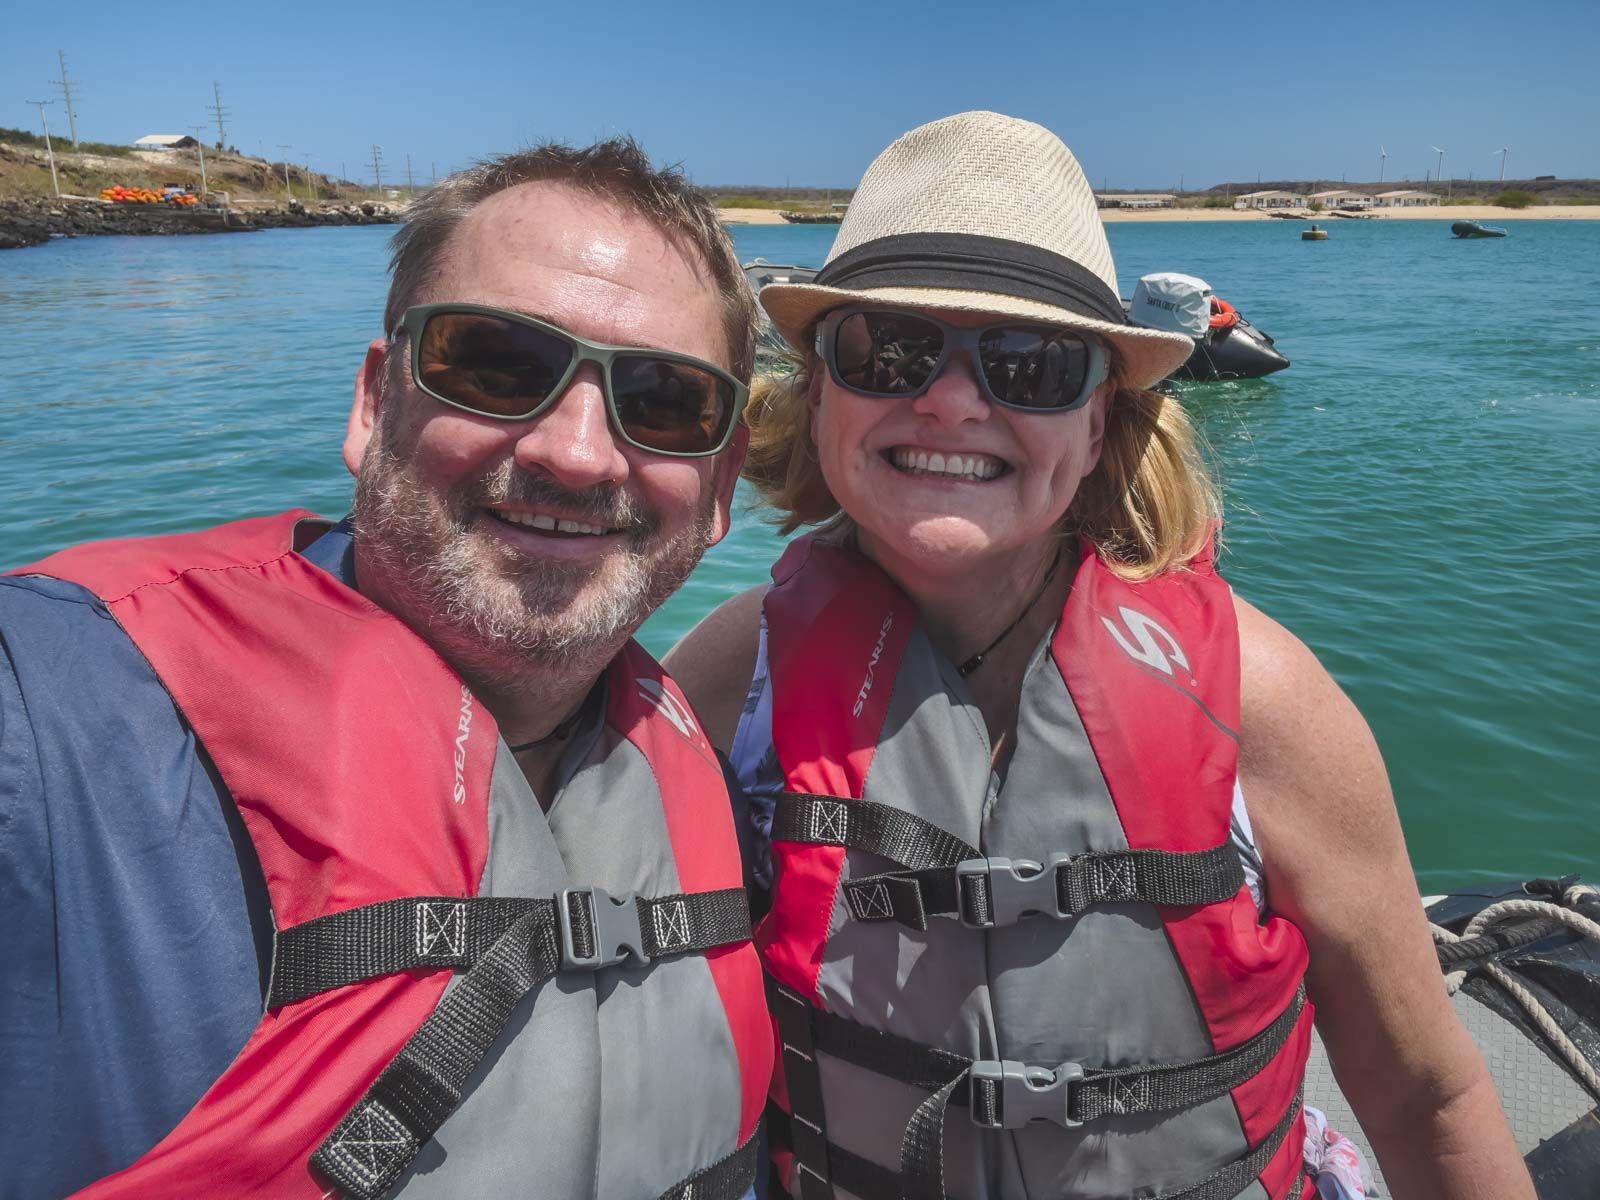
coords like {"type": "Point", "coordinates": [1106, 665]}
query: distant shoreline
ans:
{"type": "Point", "coordinates": [1444, 212]}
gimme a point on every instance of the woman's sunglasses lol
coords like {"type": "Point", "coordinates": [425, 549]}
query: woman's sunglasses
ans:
{"type": "Point", "coordinates": [1024, 365]}
{"type": "Point", "coordinates": [510, 367]}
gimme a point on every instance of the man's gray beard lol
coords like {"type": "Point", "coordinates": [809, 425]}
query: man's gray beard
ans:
{"type": "Point", "coordinates": [498, 618]}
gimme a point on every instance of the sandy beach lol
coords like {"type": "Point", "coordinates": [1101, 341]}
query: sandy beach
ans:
{"type": "Point", "coordinates": [749, 216]}
{"type": "Point", "coordinates": [1458, 212]}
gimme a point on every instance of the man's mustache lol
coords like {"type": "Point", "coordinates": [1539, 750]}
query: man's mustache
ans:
{"type": "Point", "coordinates": [607, 506]}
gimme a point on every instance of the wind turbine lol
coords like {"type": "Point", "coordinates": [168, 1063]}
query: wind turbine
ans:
{"type": "Point", "coordinates": [1383, 156]}
{"type": "Point", "coordinates": [1504, 152]}
{"type": "Point", "coordinates": [1438, 171]}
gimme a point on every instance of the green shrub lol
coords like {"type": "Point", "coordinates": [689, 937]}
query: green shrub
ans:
{"type": "Point", "coordinates": [1515, 198]}
{"type": "Point", "coordinates": [1315, 206]}
{"type": "Point", "coordinates": [61, 143]}
{"type": "Point", "coordinates": [746, 202]}
{"type": "Point", "coordinates": [1216, 202]}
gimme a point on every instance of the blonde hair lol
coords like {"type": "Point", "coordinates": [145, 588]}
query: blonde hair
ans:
{"type": "Point", "coordinates": [1149, 505]}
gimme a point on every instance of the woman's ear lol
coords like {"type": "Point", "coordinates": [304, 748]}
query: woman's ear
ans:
{"type": "Point", "coordinates": [1099, 406]}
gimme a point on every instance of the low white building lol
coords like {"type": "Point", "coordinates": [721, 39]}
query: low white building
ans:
{"type": "Point", "coordinates": [1341, 198]}
{"type": "Point", "coordinates": [1405, 199]}
{"type": "Point", "coordinates": [1137, 200]}
{"type": "Point", "coordinates": [165, 141]}
{"type": "Point", "coordinates": [1270, 199]}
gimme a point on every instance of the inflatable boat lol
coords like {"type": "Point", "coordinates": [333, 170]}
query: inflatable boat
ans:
{"type": "Point", "coordinates": [1226, 345]}
{"type": "Point", "coordinates": [1475, 229]}
{"type": "Point", "coordinates": [759, 272]}
{"type": "Point", "coordinates": [1522, 964]}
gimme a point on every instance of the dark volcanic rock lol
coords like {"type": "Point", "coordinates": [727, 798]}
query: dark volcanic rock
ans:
{"type": "Point", "coordinates": [30, 222]}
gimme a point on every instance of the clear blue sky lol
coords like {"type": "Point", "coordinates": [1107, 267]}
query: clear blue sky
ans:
{"type": "Point", "coordinates": [809, 90]}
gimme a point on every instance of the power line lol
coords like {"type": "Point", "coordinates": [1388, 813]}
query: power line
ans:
{"type": "Point", "coordinates": [64, 86]}
{"type": "Point", "coordinates": [410, 189]}
{"type": "Point", "coordinates": [54, 182]}
{"type": "Point", "coordinates": [219, 114]}
{"type": "Point", "coordinates": [377, 167]}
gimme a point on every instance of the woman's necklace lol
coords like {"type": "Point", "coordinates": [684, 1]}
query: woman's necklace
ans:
{"type": "Point", "coordinates": [976, 661]}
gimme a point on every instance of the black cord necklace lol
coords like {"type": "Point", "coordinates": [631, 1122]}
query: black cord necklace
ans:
{"type": "Point", "coordinates": [559, 734]}
{"type": "Point", "coordinates": [976, 661]}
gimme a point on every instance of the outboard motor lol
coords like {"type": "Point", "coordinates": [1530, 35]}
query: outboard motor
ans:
{"type": "Point", "coordinates": [1226, 345]}
{"type": "Point", "coordinates": [1172, 302]}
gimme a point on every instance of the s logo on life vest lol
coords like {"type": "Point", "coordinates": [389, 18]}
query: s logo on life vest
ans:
{"type": "Point", "coordinates": [670, 707]}
{"type": "Point", "coordinates": [1145, 647]}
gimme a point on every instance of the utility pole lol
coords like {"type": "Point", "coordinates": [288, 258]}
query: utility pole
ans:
{"type": "Point", "coordinates": [54, 182]}
{"type": "Point", "coordinates": [286, 186]}
{"type": "Point", "coordinates": [219, 113]}
{"type": "Point", "coordinates": [65, 87]}
{"type": "Point", "coordinates": [201, 148]}
{"type": "Point", "coordinates": [377, 168]}
{"type": "Point", "coordinates": [433, 174]}
{"type": "Point", "coordinates": [410, 189]}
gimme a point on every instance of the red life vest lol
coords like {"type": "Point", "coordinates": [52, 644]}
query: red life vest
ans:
{"type": "Point", "coordinates": [1149, 1039]}
{"type": "Point", "coordinates": [396, 836]}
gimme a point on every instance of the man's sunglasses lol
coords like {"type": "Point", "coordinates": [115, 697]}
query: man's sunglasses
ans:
{"type": "Point", "coordinates": [511, 367]}
{"type": "Point", "coordinates": [1025, 365]}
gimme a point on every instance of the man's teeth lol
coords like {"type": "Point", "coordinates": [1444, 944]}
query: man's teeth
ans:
{"type": "Point", "coordinates": [962, 466]}
{"type": "Point", "coordinates": [540, 521]}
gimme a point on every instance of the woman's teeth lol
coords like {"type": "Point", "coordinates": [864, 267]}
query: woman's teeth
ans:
{"type": "Point", "coordinates": [959, 466]}
{"type": "Point", "coordinates": [540, 521]}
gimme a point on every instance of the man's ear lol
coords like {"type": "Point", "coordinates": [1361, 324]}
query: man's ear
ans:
{"type": "Point", "coordinates": [364, 409]}
{"type": "Point", "coordinates": [727, 476]}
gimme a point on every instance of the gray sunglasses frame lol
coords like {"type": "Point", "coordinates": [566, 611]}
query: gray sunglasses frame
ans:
{"type": "Point", "coordinates": [957, 337]}
{"type": "Point", "coordinates": [414, 319]}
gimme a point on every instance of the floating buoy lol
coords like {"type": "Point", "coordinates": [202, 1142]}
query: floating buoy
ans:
{"type": "Point", "coordinates": [1313, 235]}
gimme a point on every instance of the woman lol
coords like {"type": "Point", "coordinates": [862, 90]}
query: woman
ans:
{"type": "Point", "coordinates": [1063, 835]}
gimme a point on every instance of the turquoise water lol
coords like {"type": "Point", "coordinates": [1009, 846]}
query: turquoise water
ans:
{"type": "Point", "coordinates": [1416, 498]}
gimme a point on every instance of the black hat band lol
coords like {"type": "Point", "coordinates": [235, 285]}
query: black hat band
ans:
{"type": "Point", "coordinates": [972, 262]}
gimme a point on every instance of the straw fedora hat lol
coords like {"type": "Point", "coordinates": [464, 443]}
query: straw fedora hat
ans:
{"type": "Point", "coordinates": [978, 212]}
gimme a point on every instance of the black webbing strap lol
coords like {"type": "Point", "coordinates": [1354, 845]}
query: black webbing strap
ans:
{"type": "Point", "coordinates": [1000, 1094]}
{"type": "Point", "coordinates": [452, 931]}
{"type": "Point", "coordinates": [729, 1178]}
{"type": "Point", "coordinates": [859, 1176]}
{"type": "Point", "coordinates": [392, 935]}
{"type": "Point", "coordinates": [882, 829]}
{"type": "Point", "coordinates": [871, 1181]}
{"type": "Point", "coordinates": [947, 877]}
{"type": "Point", "coordinates": [376, 1140]}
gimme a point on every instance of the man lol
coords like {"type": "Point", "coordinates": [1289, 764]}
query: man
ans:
{"type": "Point", "coordinates": [263, 787]}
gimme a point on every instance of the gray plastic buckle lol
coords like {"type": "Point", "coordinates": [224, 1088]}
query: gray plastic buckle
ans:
{"type": "Point", "coordinates": [1016, 886]}
{"type": "Point", "coordinates": [1027, 1094]}
{"type": "Point", "coordinates": [617, 933]}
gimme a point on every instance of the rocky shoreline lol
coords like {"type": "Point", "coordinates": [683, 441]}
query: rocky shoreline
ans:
{"type": "Point", "coordinates": [34, 221]}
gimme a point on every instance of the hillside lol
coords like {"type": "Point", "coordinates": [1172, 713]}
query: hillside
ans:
{"type": "Point", "coordinates": [25, 172]}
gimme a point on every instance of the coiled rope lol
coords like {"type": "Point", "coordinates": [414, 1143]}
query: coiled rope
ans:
{"type": "Point", "coordinates": [1510, 923]}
